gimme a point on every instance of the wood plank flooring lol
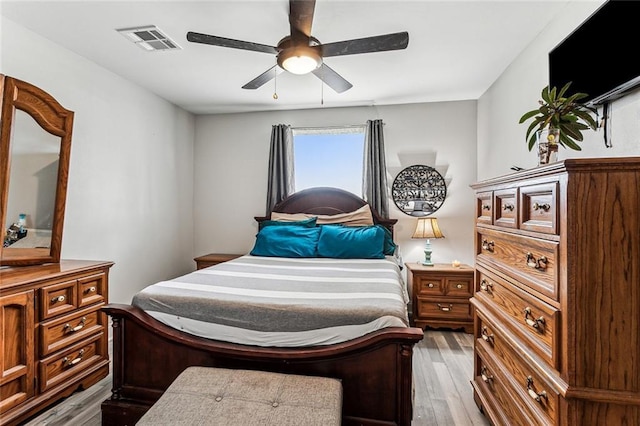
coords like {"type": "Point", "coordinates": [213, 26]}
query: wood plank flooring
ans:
{"type": "Point", "coordinates": [442, 366]}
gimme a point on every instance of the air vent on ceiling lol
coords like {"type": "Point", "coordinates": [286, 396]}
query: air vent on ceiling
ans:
{"type": "Point", "coordinates": [149, 38]}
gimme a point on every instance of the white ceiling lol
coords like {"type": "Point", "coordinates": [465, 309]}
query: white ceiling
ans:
{"type": "Point", "coordinates": [456, 48]}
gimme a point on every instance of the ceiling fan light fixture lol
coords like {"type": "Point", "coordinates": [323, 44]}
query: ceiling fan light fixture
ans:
{"type": "Point", "coordinates": [299, 60]}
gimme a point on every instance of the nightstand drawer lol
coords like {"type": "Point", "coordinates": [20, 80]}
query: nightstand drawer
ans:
{"type": "Point", "coordinates": [428, 285]}
{"type": "Point", "coordinates": [445, 308]}
{"type": "Point", "coordinates": [462, 287]}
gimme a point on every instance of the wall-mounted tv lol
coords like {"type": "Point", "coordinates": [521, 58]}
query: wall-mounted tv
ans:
{"type": "Point", "coordinates": [601, 57]}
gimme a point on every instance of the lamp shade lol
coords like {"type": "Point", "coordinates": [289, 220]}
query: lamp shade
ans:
{"type": "Point", "coordinates": [427, 227]}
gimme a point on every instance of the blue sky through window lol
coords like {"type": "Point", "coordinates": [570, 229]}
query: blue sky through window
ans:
{"type": "Point", "coordinates": [329, 159]}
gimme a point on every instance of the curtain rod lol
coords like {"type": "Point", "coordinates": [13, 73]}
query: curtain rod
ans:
{"type": "Point", "coordinates": [347, 126]}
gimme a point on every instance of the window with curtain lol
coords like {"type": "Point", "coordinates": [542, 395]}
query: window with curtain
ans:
{"type": "Point", "coordinates": [331, 156]}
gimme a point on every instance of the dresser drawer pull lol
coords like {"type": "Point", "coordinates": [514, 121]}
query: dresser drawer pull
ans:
{"type": "Point", "coordinates": [486, 285]}
{"type": "Point", "coordinates": [486, 336]}
{"type": "Point", "coordinates": [430, 285]}
{"type": "Point", "coordinates": [57, 299]}
{"type": "Point", "coordinates": [458, 286]}
{"type": "Point", "coordinates": [509, 207]}
{"type": "Point", "coordinates": [91, 289]}
{"type": "Point", "coordinates": [486, 207]}
{"type": "Point", "coordinates": [486, 377]}
{"type": "Point", "coordinates": [532, 393]}
{"type": "Point", "coordinates": [537, 323]}
{"type": "Point", "coordinates": [488, 245]}
{"type": "Point", "coordinates": [539, 264]}
{"type": "Point", "coordinates": [80, 326]}
{"type": "Point", "coordinates": [67, 362]}
{"type": "Point", "coordinates": [445, 308]}
{"type": "Point", "coordinates": [545, 206]}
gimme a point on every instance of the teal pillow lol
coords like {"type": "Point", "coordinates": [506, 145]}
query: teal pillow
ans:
{"type": "Point", "coordinates": [351, 242]}
{"type": "Point", "coordinates": [286, 241]}
{"type": "Point", "coordinates": [389, 246]}
{"type": "Point", "coordinates": [307, 223]}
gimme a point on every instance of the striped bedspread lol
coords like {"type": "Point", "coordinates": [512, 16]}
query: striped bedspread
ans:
{"type": "Point", "coordinates": [271, 301]}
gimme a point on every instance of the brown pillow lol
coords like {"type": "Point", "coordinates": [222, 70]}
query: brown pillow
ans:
{"type": "Point", "coordinates": [359, 217]}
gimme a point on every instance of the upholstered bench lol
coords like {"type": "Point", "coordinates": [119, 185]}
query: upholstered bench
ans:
{"type": "Point", "coordinates": [216, 396]}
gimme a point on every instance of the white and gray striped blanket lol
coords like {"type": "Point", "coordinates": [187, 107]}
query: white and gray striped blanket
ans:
{"type": "Point", "coordinates": [282, 302]}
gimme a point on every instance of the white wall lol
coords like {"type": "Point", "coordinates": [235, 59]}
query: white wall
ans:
{"type": "Point", "coordinates": [501, 140]}
{"type": "Point", "coordinates": [130, 195]}
{"type": "Point", "coordinates": [231, 160]}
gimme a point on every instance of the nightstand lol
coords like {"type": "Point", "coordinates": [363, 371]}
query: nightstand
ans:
{"type": "Point", "coordinates": [213, 259]}
{"type": "Point", "coordinates": [440, 295]}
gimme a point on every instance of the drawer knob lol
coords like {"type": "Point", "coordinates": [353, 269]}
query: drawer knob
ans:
{"type": "Point", "coordinates": [488, 245]}
{"type": "Point", "coordinates": [80, 326]}
{"type": "Point", "coordinates": [459, 286]}
{"type": "Point", "coordinates": [544, 207]}
{"type": "Point", "coordinates": [58, 299]}
{"type": "Point", "coordinates": [486, 285]}
{"type": "Point", "coordinates": [486, 336]}
{"type": "Point", "coordinates": [509, 207]}
{"type": "Point", "coordinates": [91, 289]}
{"type": "Point", "coordinates": [68, 362]}
{"type": "Point", "coordinates": [540, 264]}
{"type": "Point", "coordinates": [486, 377]}
{"type": "Point", "coordinates": [537, 323]}
{"type": "Point", "coordinates": [445, 308]}
{"type": "Point", "coordinates": [538, 396]}
{"type": "Point", "coordinates": [486, 207]}
{"type": "Point", "coordinates": [430, 285]}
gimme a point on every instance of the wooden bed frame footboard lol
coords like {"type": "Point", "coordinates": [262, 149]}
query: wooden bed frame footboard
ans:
{"type": "Point", "coordinates": [375, 369]}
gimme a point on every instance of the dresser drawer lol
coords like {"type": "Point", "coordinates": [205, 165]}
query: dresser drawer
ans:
{"type": "Point", "coordinates": [61, 366]}
{"type": "Point", "coordinates": [484, 207]}
{"type": "Point", "coordinates": [493, 388]}
{"type": "Point", "coordinates": [534, 321]}
{"type": "Point", "coordinates": [530, 261]}
{"type": "Point", "coordinates": [92, 289]}
{"type": "Point", "coordinates": [58, 298]}
{"type": "Point", "coordinates": [539, 212]}
{"type": "Point", "coordinates": [445, 308]}
{"type": "Point", "coordinates": [533, 399]}
{"type": "Point", "coordinates": [62, 332]}
{"type": "Point", "coordinates": [505, 204]}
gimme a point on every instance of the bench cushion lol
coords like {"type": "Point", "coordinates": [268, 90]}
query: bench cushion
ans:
{"type": "Point", "coordinates": [216, 396]}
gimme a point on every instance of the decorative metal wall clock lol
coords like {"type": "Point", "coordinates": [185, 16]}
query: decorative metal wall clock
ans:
{"type": "Point", "coordinates": [418, 190]}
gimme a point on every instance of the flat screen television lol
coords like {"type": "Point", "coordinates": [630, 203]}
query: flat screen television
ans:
{"type": "Point", "coordinates": [601, 57]}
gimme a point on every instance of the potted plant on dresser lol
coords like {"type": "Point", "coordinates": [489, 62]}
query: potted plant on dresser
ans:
{"type": "Point", "coordinates": [559, 120]}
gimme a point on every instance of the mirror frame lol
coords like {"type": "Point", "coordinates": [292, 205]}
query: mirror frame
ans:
{"type": "Point", "coordinates": [54, 119]}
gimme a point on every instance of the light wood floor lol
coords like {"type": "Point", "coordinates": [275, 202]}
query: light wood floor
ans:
{"type": "Point", "coordinates": [442, 365]}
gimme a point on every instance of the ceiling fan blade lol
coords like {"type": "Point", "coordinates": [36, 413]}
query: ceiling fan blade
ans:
{"type": "Point", "coordinates": [332, 79]}
{"type": "Point", "coordinates": [301, 19]}
{"type": "Point", "coordinates": [395, 41]}
{"type": "Point", "coordinates": [229, 42]}
{"type": "Point", "coordinates": [263, 78]}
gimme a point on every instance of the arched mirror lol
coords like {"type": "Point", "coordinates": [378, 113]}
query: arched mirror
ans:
{"type": "Point", "coordinates": [35, 143]}
{"type": "Point", "coordinates": [419, 190]}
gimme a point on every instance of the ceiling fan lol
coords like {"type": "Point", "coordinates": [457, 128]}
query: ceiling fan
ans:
{"type": "Point", "coordinates": [301, 53]}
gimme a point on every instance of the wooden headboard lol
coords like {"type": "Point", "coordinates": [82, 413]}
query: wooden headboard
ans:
{"type": "Point", "coordinates": [328, 201]}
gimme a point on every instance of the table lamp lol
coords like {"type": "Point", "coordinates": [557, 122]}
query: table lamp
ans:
{"type": "Point", "coordinates": [427, 227]}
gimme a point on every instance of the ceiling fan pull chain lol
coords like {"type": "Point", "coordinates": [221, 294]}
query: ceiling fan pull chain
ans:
{"type": "Point", "coordinates": [321, 92]}
{"type": "Point", "coordinates": [275, 83]}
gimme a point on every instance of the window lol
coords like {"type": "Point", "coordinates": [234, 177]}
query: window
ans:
{"type": "Point", "coordinates": [329, 157]}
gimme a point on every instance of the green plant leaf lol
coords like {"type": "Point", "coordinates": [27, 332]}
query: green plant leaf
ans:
{"type": "Point", "coordinates": [564, 89]}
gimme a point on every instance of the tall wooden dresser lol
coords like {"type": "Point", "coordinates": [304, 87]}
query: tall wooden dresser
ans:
{"type": "Point", "coordinates": [53, 335]}
{"type": "Point", "coordinates": [557, 294]}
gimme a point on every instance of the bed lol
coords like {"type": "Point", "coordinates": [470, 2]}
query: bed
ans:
{"type": "Point", "coordinates": [375, 368]}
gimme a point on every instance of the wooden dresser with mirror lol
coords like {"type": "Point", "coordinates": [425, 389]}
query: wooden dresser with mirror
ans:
{"type": "Point", "coordinates": [557, 296]}
{"type": "Point", "coordinates": [53, 336]}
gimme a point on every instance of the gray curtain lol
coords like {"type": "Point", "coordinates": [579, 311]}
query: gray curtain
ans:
{"type": "Point", "coordinates": [374, 179]}
{"type": "Point", "coordinates": [281, 177]}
